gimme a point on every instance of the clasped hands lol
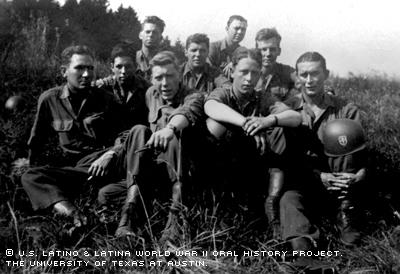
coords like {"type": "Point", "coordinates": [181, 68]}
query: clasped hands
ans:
{"type": "Point", "coordinates": [340, 182]}
{"type": "Point", "coordinates": [254, 126]}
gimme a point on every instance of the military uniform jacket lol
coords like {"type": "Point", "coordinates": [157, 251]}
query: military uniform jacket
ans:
{"type": "Point", "coordinates": [257, 104]}
{"type": "Point", "coordinates": [280, 83]}
{"type": "Point", "coordinates": [210, 79]}
{"type": "Point", "coordinates": [312, 129]}
{"type": "Point", "coordinates": [93, 127]}
{"type": "Point", "coordinates": [131, 102]}
{"type": "Point", "coordinates": [220, 54]}
{"type": "Point", "coordinates": [187, 102]}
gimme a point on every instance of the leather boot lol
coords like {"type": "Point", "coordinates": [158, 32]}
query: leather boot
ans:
{"type": "Point", "coordinates": [125, 226]}
{"type": "Point", "coordinates": [349, 234]}
{"type": "Point", "coordinates": [271, 205]}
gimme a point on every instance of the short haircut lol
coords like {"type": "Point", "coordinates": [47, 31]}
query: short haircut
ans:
{"type": "Point", "coordinates": [312, 56]}
{"type": "Point", "coordinates": [268, 33]}
{"type": "Point", "coordinates": [198, 38]}
{"type": "Point", "coordinates": [71, 50]}
{"type": "Point", "coordinates": [164, 58]}
{"type": "Point", "coordinates": [123, 50]}
{"type": "Point", "coordinates": [154, 20]}
{"type": "Point", "coordinates": [236, 17]}
{"type": "Point", "coordinates": [242, 52]}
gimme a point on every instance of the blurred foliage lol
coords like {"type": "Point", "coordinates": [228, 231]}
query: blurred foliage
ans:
{"type": "Point", "coordinates": [88, 22]}
{"type": "Point", "coordinates": [379, 100]}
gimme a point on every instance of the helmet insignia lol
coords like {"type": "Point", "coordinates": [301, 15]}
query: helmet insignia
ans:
{"type": "Point", "coordinates": [342, 139]}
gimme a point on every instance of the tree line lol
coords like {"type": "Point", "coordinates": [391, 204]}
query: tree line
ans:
{"type": "Point", "coordinates": [29, 29]}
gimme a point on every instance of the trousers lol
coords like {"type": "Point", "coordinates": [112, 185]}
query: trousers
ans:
{"type": "Point", "coordinates": [47, 185]}
{"type": "Point", "coordinates": [152, 167]}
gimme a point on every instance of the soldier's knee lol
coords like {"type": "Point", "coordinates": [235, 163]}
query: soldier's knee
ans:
{"type": "Point", "coordinates": [137, 129]}
{"type": "Point", "coordinates": [290, 198]}
{"type": "Point", "coordinates": [111, 194]}
{"type": "Point", "coordinates": [102, 196]}
{"type": "Point", "coordinates": [29, 176]}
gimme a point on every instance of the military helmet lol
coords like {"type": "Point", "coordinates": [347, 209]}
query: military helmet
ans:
{"type": "Point", "coordinates": [342, 137]}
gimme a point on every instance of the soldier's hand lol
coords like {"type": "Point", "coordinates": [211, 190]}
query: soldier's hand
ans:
{"type": "Point", "coordinates": [343, 175]}
{"type": "Point", "coordinates": [99, 167]}
{"type": "Point", "coordinates": [254, 124]}
{"type": "Point", "coordinates": [353, 178]}
{"type": "Point", "coordinates": [227, 70]}
{"type": "Point", "coordinates": [327, 178]}
{"type": "Point", "coordinates": [339, 185]}
{"type": "Point", "coordinates": [161, 138]}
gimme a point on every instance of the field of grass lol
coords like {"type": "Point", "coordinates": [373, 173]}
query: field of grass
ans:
{"type": "Point", "coordinates": [231, 231]}
{"type": "Point", "coordinates": [207, 228]}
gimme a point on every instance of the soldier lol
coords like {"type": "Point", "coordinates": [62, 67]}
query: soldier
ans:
{"type": "Point", "coordinates": [220, 55]}
{"type": "Point", "coordinates": [151, 36]}
{"type": "Point", "coordinates": [276, 78]}
{"type": "Point", "coordinates": [84, 119]}
{"type": "Point", "coordinates": [317, 108]}
{"type": "Point", "coordinates": [196, 72]}
{"type": "Point", "coordinates": [129, 90]}
{"type": "Point", "coordinates": [172, 108]}
{"type": "Point", "coordinates": [242, 122]}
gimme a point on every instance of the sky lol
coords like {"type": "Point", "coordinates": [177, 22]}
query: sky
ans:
{"type": "Point", "coordinates": [362, 37]}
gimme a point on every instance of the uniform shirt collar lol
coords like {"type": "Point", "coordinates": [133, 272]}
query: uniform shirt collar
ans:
{"type": "Point", "coordinates": [176, 100]}
{"type": "Point", "coordinates": [327, 100]}
{"type": "Point", "coordinates": [251, 100]}
{"type": "Point", "coordinates": [188, 71]}
{"type": "Point", "coordinates": [224, 44]}
{"type": "Point", "coordinates": [65, 93]}
{"type": "Point", "coordinates": [274, 70]}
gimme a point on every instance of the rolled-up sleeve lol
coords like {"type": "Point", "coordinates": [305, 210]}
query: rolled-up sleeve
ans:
{"type": "Point", "coordinates": [220, 95]}
{"type": "Point", "coordinates": [192, 108]}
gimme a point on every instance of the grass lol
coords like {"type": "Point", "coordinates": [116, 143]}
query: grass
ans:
{"type": "Point", "coordinates": [213, 226]}
{"type": "Point", "coordinates": [229, 231]}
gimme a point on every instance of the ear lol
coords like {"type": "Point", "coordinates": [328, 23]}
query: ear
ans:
{"type": "Point", "coordinates": [233, 74]}
{"type": "Point", "coordinates": [63, 70]}
{"type": "Point", "coordinates": [327, 74]}
{"type": "Point", "coordinates": [279, 51]}
{"type": "Point", "coordinates": [186, 53]}
{"type": "Point", "coordinates": [112, 66]}
{"type": "Point", "coordinates": [227, 28]}
{"type": "Point", "coordinates": [141, 35]}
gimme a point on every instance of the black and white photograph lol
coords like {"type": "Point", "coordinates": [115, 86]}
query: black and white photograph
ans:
{"type": "Point", "coordinates": [199, 137]}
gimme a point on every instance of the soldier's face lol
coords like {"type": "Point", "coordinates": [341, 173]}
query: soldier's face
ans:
{"type": "Point", "coordinates": [151, 35]}
{"type": "Point", "coordinates": [123, 68]}
{"type": "Point", "coordinates": [79, 72]}
{"type": "Point", "coordinates": [197, 54]}
{"type": "Point", "coordinates": [270, 51]}
{"type": "Point", "coordinates": [245, 76]}
{"type": "Point", "coordinates": [166, 80]}
{"type": "Point", "coordinates": [236, 31]}
{"type": "Point", "coordinates": [311, 76]}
